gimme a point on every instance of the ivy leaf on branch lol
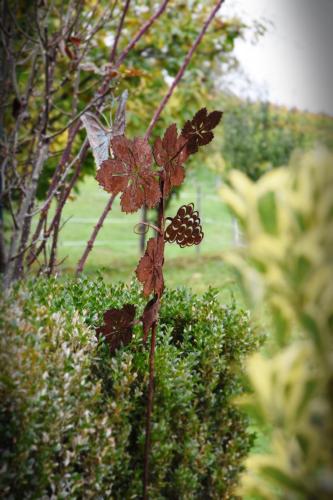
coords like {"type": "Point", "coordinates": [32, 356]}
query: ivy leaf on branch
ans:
{"type": "Point", "coordinates": [149, 270]}
{"type": "Point", "coordinates": [130, 172]}
{"type": "Point", "coordinates": [118, 326]}
{"type": "Point", "coordinates": [198, 131]}
{"type": "Point", "coordinates": [170, 153]}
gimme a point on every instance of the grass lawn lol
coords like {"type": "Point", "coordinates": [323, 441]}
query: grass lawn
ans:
{"type": "Point", "coordinates": [116, 250]}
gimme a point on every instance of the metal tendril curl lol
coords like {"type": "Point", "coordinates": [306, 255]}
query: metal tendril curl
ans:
{"type": "Point", "coordinates": [146, 227]}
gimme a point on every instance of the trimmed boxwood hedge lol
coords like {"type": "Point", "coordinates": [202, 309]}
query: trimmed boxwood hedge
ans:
{"type": "Point", "coordinates": [72, 415]}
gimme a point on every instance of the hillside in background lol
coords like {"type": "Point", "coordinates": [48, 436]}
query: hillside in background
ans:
{"type": "Point", "coordinates": [259, 136]}
{"type": "Point", "coordinates": [315, 125]}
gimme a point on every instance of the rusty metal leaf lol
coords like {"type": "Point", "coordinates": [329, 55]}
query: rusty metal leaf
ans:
{"type": "Point", "coordinates": [150, 316]}
{"type": "Point", "coordinates": [118, 326]}
{"type": "Point", "coordinates": [130, 172]}
{"type": "Point", "coordinates": [185, 228]}
{"type": "Point", "coordinates": [198, 131]}
{"type": "Point", "coordinates": [149, 270]}
{"type": "Point", "coordinates": [170, 153]}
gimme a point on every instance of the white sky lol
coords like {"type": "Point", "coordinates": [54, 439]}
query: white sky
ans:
{"type": "Point", "coordinates": [292, 63]}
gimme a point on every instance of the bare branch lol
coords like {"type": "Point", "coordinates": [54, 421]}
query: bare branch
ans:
{"type": "Point", "coordinates": [94, 234]}
{"type": "Point", "coordinates": [47, 83]}
{"type": "Point", "coordinates": [58, 181]}
{"type": "Point", "coordinates": [92, 103]}
{"type": "Point", "coordinates": [99, 25]}
{"type": "Point", "coordinates": [119, 30]}
{"type": "Point", "coordinates": [183, 67]}
{"type": "Point", "coordinates": [54, 246]}
{"type": "Point", "coordinates": [141, 32]}
{"type": "Point", "coordinates": [55, 182]}
{"type": "Point", "coordinates": [16, 244]}
{"type": "Point", "coordinates": [47, 232]}
{"type": "Point", "coordinates": [18, 27]}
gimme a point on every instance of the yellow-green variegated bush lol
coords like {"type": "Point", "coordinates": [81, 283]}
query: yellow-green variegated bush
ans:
{"type": "Point", "coordinates": [72, 414]}
{"type": "Point", "coordinates": [286, 264]}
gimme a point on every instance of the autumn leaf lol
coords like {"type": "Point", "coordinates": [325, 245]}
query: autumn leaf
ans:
{"type": "Point", "coordinates": [75, 40]}
{"type": "Point", "coordinates": [130, 172]}
{"type": "Point", "coordinates": [170, 153]}
{"type": "Point", "coordinates": [133, 72]}
{"type": "Point", "coordinates": [185, 228]}
{"type": "Point", "coordinates": [70, 54]}
{"type": "Point", "coordinates": [149, 270]}
{"type": "Point", "coordinates": [198, 131]}
{"type": "Point", "coordinates": [118, 326]}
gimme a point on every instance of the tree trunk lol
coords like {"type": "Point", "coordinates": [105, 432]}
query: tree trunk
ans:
{"type": "Point", "coordinates": [23, 220]}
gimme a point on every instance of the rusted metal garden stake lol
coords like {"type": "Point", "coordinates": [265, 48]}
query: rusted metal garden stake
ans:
{"type": "Point", "coordinates": [150, 399]}
{"type": "Point", "coordinates": [146, 176]}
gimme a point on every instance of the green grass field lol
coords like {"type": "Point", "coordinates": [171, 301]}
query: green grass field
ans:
{"type": "Point", "coordinates": [116, 250]}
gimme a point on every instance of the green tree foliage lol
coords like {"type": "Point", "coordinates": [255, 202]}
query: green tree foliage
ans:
{"type": "Point", "coordinates": [73, 416]}
{"type": "Point", "coordinates": [258, 137]}
{"type": "Point", "coordinates": [152, 64]}
{"type": "Point", "coordinates": [286, 263]}
{"type": "Point", "coordinates": [63, 58]}
{"type": "Point", "coordinates": [146, 71]}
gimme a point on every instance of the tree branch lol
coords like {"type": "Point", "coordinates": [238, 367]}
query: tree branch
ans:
{"type": "Point", "coordinates": [84, 110]}
{"type": "Point", "coordinates": [122, 56]}
{"type": "Point", "coordinates": [94, 234]}
{"type": "Point", "coordinates": [183, 68]}
{"type": "Point", "coordinates": [23, 215]}
{"type": "Point", "coordinates": [119, 30]}
{"type": "Point", "coordinates": [33, 256]}
{"type": "Point", "coordinates": [54, 246]}
{"type": "Point", "coordinates": [56, 179]}
{"type": "Point", "coordinates": [141, 32]}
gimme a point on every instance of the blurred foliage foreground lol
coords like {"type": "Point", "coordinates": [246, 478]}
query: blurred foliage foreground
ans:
{"type": "Point", "coordinates": [72, 416]}
{"type": "Point", "coordinates": [287, 218]}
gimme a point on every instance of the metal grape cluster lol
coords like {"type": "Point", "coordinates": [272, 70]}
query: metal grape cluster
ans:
{"type": "Point", "coordinates": [185, 228]}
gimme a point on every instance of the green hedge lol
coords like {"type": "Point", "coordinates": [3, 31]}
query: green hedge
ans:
{"type": "Point", "coordinates": [72, 416]}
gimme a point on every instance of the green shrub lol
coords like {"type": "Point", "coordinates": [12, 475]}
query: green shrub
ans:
{"type": "Point", "coordinates": [286, 264]}
{"type": "Point", "coordinates": [72, 416]}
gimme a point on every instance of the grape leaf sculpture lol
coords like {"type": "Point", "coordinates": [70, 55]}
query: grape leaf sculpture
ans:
{"type": "Point", "coordinates": [131, 172]}
{"type": "Point", "coordinates": [118, 326]}
{"type": "Point", "coordinates": [198, 131]}
{"type": "Point", "coordinates": [170, 153]}
{"type": "Point", "coordinates": [149, 270]}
